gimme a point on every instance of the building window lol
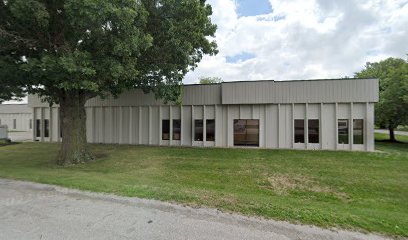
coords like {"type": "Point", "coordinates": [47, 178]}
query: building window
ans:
{"type": "Point", "coordinates": [313, 130]}
{"type": "Point", "coordinates": [176, 129]}
{"type": "Point", "coordinates": [166, 129]}
{"type": "Point", "coordinates": [14, 123]}
{"type": "Point", "coordinates": [46, 128]}
{"type": "Point", "coordinates": [198, 130]}
{"type": "Point", "coordinates": [358, 131]}
{"type": "Point", "coordinates": [38, 128]}
{"type": "Point", "coordinates": [299, 131]}
{"type": "Point", "coordinates": [343, 131]}
{"type": "Point", "coordinates": [30, 124]}
{"type": "Point", "coordinates": [210, 130]}
{"type": "Point", "coordinates": [246, 132]}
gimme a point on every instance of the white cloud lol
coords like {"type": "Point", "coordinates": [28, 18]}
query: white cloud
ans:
{"type": "Point", "coordinates": [303, 39]}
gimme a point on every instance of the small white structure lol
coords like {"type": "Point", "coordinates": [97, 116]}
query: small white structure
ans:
{"type": "Point", "coordinates": [333, 114]}
{"type": "Point", "coordinates": [18, 117]}
{"type": "Point", "coordinates": [3, 132]}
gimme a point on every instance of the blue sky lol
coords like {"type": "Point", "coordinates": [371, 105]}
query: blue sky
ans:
{"type": "Point", "coordinates": [253, 7]}
{"type": "Point", "coordinates": [302, 39]}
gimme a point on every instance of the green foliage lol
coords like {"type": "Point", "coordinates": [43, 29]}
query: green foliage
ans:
{"type": "Point", "coordinates": [210, 80]}
{"type": "Point", "coordinates": [10, 85]}
{"type": "Point", "coordinates": [99, 47]}
{"type": "Point", "coordinates": [392, 108]}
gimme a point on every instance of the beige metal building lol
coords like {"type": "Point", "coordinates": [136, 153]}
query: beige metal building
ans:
{"type": "Point", "coordinates": [17, 117]}
{"type": "Point", "coordinates": [335, 114]}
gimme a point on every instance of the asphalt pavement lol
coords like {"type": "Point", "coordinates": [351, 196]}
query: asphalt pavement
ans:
{"type": "Point", "coordinates": [37, 211]}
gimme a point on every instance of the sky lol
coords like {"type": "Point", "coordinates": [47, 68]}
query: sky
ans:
{"type": "Point", "coordinates": [302, 39]}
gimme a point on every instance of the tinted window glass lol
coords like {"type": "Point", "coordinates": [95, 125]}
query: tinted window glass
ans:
{"type": "Point", "coordinates": [198, 130]}
{"type": "Point", "coordinates": [358, 131]}
{"type": "Point", "coordinates": [38, 128]}
{"type": "Point", "coordinates": [210, 130]}
{"type": "Point", "coordinates": [299, 131]}
{"type": "Point", "coordinates": [313, 130]}
{"type": "Point", "coordinates": [176, 129]}
{"type": "Point", "coordinates": [165, 129]}
{"type": "Point", "coordinates": [46, 128]}
{"type": "Point", "coordinates": [246, 132]}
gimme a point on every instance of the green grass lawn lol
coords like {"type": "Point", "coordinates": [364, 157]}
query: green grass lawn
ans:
{"type": "Point", "coordinates": [352, 190]}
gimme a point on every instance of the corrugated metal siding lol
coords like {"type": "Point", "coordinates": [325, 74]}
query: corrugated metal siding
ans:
{"type": "Point", "coordinates": [15, 108]}
{"type": "Point", "coordinates": [312, 91]}
{"type": "Point", "coordinates": [257, 92]}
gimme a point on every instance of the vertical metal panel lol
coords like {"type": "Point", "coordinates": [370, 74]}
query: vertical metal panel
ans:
{"type": "Point", "coordinates": [135, 123]}
{"type": "Point", "coordinates": [42, 123]}
{"type": "Point", "coordinates": [34, 124]}
{"type": "Point", "coordinates": [273, 123]}
{"type": "Point", "coordinates": [313, 111]}
{"type": "Point", "coordinates": [299, 111]}
{"type": "Point", "coordinates": [186, 126]}
{"type": "Point", "coordinates": [340, 90]}
{"type": "Point", "coordinates": [192, 123]}
{"type": "Point", "coordinates": [155, 122]}
{"type": "Point", "coordinates": [125, 125]}
{"type": "Point", "coordinates": [245, 111]}
{"type": "Point", "coordinates": [369, 127]}
{"type": "Point", "coordinates": [131, 126]}
{"type": "Point", "coordinates": [343, 111]}
{"type": "Point", "coordinates": [108, 125]}
{"type": "Point", "coordinates": [204, 125]}
{"type": "Point", "coordinates": [98, 125]}
{"type": "Point", "coordinates": [116, 124]}
{"type": "Point", "coordinates": [351, 130]}
{"type": "Point", "coordinates": [198, 112]}
{"type": "Point", "coordinates": [336, 127]}
{"type": "Point", "coordinates": [145, 125]}
{"type": "Point", "coordinates": [89, 124]}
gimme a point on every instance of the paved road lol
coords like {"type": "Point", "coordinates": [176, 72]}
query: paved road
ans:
{"type": "Point", "coordinates": [404, 133]}
{"type": "Point", "coordinates": [37, 211]}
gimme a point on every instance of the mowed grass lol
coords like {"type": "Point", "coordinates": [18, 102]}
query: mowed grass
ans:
{"type": "Point", "coordinates": [351, 190]}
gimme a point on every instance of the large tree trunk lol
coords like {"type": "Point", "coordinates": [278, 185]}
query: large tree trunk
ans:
{"type": "Point", "coordinates": [392, 134]}
{"type": "Point", "coordinates": [73, 127]}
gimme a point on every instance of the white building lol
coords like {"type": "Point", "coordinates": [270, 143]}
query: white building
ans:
{"type": "Point", "coordinates": [305, 114]}
{"type": "Point", "coordinates": [17, 117]}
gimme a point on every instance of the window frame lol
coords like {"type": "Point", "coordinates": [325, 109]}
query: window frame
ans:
{"type": "Point", "coordinates": [357, 129]}
{"type": "Point", "coordinates": [246, 141]}
{"type": "Point", "coordinates": [347, 132]}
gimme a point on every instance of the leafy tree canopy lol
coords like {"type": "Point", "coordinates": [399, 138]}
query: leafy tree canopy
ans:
{"type": "Point", "coordinates": [69, 51]}
{"type": "Point", "coordinates": [210, 80]}
{"type": "Point", "coordinates": [392, 108]}
{"type": "Point", "coordinates": [99, 46]}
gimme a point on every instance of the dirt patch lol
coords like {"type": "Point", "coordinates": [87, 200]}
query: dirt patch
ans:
{"type": "Point", "coordinates": [282, 184]}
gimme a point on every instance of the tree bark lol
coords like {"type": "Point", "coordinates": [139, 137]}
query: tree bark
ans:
{"type": "Point", "coordinates": [74, 147]}
{"type": "Point", "coordinates": [392, 135]}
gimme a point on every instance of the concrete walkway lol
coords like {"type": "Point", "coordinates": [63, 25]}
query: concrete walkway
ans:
{"type": "Point", "coordinates": [37, 211]}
